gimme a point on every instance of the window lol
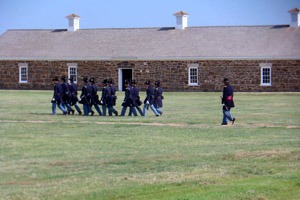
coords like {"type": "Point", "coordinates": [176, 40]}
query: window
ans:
{"type": "Point", "coordinates": [266, 74]}
{"type": "Point", "coordinates": [23, 72]}
{"type": "Point", "coordinates": [193, 74]}
{"type": "Point", "coordinates": [72, 71]}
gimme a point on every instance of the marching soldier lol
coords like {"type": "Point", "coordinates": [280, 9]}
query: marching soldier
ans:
{"type": "Point", "coordinates": [113, 91]}
{"type": "Point", "coordinates": [136, 98]}
{"type": "Point", "coordinates": [94, 96]}
{"type": "Point", "coordinates": [227, 102]}
{"type": "Point", "coordinates": [57, 97]}
{"type": "Point", "coordinates": [148, 102]}
{"type": "Point", "coordinates": [158, 97]}
{"type": "Point", "coordinates": [74, 99]}
{"type": "Point", "coordinates": [85, 97]}
{"type": "Point", "coordinates": [128, 100]}
{"type": "Point", "coordinates": [104, 97]}
{"type": "Point", "coordinates": [66, 95]}
{"type": "Point", "coordinates": [111, 98]}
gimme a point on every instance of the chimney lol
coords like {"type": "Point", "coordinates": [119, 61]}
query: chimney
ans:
{"type": "Point", "coordinates": [295, 17]}
{"type": "Point", "coordinates": [181, 20]}
{"type": "Point", "coordinates": [73, 22]}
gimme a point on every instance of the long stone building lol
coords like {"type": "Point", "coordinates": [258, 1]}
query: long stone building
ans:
{"type": "Point", "coordinates": [183, 58]}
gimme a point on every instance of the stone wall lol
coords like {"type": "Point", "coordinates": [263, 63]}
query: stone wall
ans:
{"type": "Point", "coordinates": [243, 74]}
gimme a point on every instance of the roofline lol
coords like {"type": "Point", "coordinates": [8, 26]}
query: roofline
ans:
{"type": "Point", "coordinates": [133, 58]}
{"type": "Point", "coordinates": [163, 27]}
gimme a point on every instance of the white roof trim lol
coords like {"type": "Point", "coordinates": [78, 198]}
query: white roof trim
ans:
{"type": "Point", "coordinates": [132, 58]}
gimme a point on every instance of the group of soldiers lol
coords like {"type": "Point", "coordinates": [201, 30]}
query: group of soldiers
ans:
{"type": "Point", "coordinates": [65, 97]}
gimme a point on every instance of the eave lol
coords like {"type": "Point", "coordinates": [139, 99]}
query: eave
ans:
{"type": "Point", "coordinates": [132, 58]}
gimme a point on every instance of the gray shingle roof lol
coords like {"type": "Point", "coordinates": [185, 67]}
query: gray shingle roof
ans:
{"type": "Point", "coordinates": [238, 42]}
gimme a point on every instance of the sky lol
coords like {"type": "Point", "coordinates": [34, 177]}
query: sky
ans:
{"type": "Point", "coordinates": [50, 14]}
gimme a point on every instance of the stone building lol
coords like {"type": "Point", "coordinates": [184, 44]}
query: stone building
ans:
{"type": "Point", "coordinates": [183, 58]}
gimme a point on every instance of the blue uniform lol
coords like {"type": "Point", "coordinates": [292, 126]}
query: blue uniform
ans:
{"type": "Point", "coordinates": [57, 99]}
{"type": "Point", "coordinates": [111, 100]}
{"type": "Point", "coordinates": [73, 98]}
{"type": "Point", "coordinates": [157, 100]}
{"type": "Point", "coordinates": [136, 99]}
{"type": "Point", "coordinates": [85, 96]}
{"type": "Point", "coordinates": [128, 102]}
{"type": "Point", "coordinates": [66, 96]}
{"type": "Point", "coordinates": [95, 99]}
{"type": "Point", "coordinates": [148, 102]}
{"type": "Point", "coordinates": [227, 102]}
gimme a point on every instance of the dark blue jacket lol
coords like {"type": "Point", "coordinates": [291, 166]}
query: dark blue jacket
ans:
{"type": "Point", "coordinates": [94, 95]}
{"type": "Point", "coordinates": [136, 96]}
{"type": "Point", "coordinates": [128, 99]}
{"type": "Point", "coordinates": [73, 89]}
{"type": "Point", "coordinates": [158, 97]}
{"type": "Point", "coordinates": [65, 91]}
{"type": "Point", "coordinates": [227, 98]}
{"type": "Point", "coordinates": [104, 95]}
{"type": "Point", "coordinates": [86, 92]}
{"type": "Point", "coordinates": [149, 94]}
{"type": "Point", "coordinates": [57, 95]}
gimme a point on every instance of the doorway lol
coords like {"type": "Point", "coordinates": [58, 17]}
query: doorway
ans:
{"type": "Point", "coordinates": [124, 74]}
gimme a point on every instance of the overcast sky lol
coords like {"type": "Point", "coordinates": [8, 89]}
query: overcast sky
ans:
{"type": "Point", "coordinates": [50, 14]}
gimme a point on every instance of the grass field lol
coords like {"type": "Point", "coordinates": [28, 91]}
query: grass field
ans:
{"type": "Point", "coordinates": [185, 154]}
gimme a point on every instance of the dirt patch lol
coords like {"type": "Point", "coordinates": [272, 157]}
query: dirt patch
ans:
{"type": "Point", "coordinates": [145, 124]}
{"type": "Point", "coordinates": [293, 126]}
{"type": "Point", "coordinates": [275, 126]}
{"type": "Point", "coordinates": [155, 124]}
{"type": "Point", "coordinates": [19, 183]}
{"type": "Point", "coordinates": [270, 153]}
{"type": "Point", "coordinates": [60, 163]}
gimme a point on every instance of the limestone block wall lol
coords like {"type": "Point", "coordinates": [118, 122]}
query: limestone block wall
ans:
{"type": "Point", "coordinates": [245, 75]}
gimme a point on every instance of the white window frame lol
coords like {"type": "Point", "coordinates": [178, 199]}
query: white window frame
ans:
{"type": "Point", "coordinates": [262, 75]}
{"type": "Point", "coordinates": [70, 67]}
{"type": "Point", "coordinates": [192, 67]}
{"type": "Point", "coordinates": [23, 67]}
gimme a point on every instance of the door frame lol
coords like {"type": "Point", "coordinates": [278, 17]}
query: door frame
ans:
{"type": "Point", "coordinates": [121, 79]}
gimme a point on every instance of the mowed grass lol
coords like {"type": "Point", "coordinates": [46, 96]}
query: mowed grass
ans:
{"type": "Point", "coordinates": [185, 154]}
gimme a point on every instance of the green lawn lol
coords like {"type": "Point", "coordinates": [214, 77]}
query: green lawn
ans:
{"type": "Point", "coordinates": [185, 154]}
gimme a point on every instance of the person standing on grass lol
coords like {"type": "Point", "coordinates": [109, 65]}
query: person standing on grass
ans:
{"type": "Point", "coordinates": [74, 99]}
{"type": "Point", "coordinates": [104, 96]}
{"type": "Point", "coordinates": [136, 97]}
{"type": "Point", "coordinates": [227, 102]}
{"type": "Point", "coordinates": [85, 97]}
{"type": "Point", "coordinates": [57, 97]}
{"type": "Point", "coordinates": [148, 102]}
{"type": "Point", "coordinates": [94, 96]}
{"type": "Point", "coordinates": [66, 95]}
{"type": "Point", "coordinates": [128, 100]}
{"type": "Point", "coordinates": [111, 98]}
{"type": "Point", "coordinates": [158, 97]}
{"type": "Point", "coordinates": [113, 91]}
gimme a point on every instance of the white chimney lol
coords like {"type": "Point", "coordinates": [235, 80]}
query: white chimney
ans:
{"type": "Point", "coordinates": [181, 20]}
{"type": "Point", "coordinates": [73, 22]}
{"type": "Point", "coordinates": [295, 17]}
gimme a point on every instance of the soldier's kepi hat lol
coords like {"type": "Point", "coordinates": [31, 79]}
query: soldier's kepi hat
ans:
{"type": "Point", "coordinates": [226, 80]}
{"type": "Point", "coordinates": [63, 78]}
{"type": "Point", "coordinates": [85, 79]}
{"type": "Point", "coordinates": [133, 82]}
{"type": "Point", "coordinates": [104, 81]}
{"type": "Point", "coordinates": [92, 80]}
{"type": "Point", "coordinates": [71, 79]}
{"type": "Point", "coordinates": [157, 83]}
{"type": "Point", "coordinates": [55, 79]}
{"type": "Point", "coordinates": [147, 83]}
